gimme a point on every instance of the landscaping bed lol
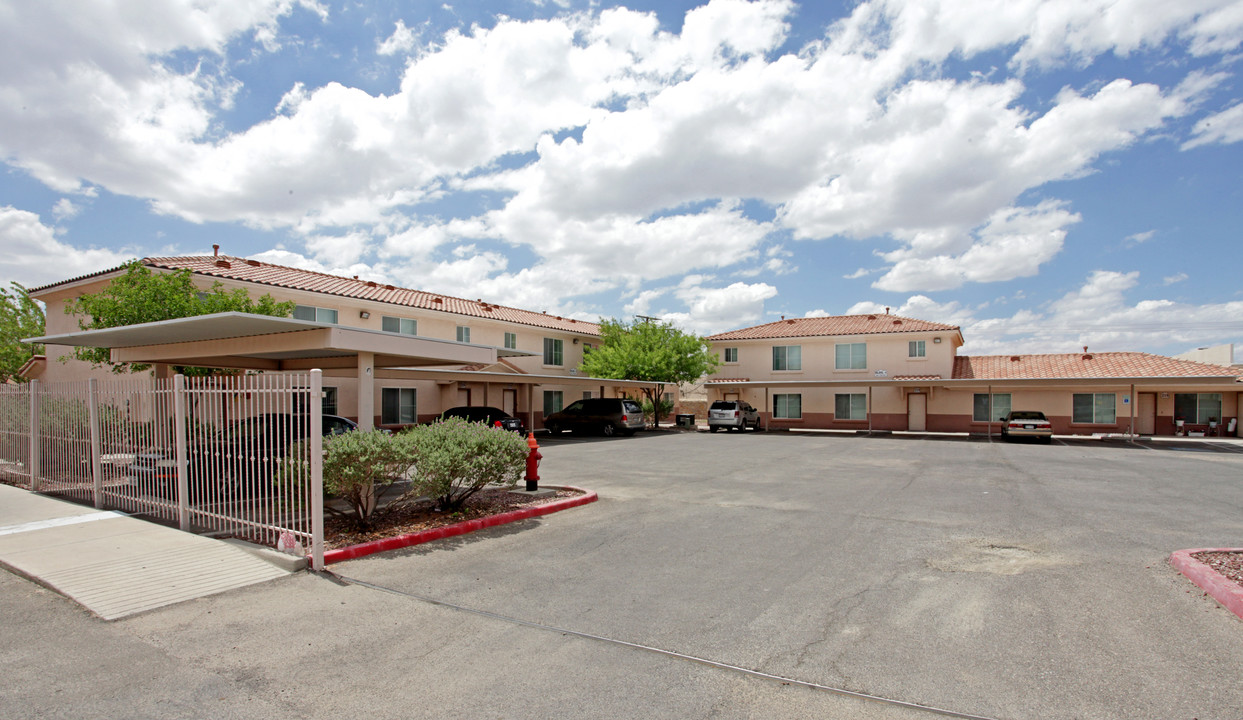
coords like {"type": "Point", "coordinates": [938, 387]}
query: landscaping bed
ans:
{"type": "Point", "coordinates": [1229, 564]}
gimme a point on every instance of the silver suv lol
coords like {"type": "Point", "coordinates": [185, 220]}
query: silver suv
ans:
{"type": "Point", "coordinates": [732, 415]}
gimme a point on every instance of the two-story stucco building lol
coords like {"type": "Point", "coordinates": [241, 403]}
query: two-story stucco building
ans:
{"type": "Point", "coordinates": [884, 372]}
{"type": "Point", "coordinates": [531, 372]}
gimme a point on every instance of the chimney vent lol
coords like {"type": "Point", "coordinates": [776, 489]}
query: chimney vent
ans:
{"type": "Point", "coordinates": [215, 251]}
{"type": "Point", "coordinates": [886, 310]}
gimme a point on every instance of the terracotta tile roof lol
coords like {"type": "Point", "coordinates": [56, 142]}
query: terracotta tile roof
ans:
{"type": "Point", "coordinates": [916, 377]}
{"type": "Point", "coordinates": [1083, 365]}
{"type": "Point", "coordinates": [727, 380]}
{"type": "Point", "coordinates": [836, 325]}
{"type": "Point", "coordinates": [235, 268]}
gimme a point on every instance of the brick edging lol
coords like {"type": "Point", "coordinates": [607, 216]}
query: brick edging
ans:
{"type": "Point", "coordinates": [1224, 591]}
{"type": "Point", "coordinates": [394, 543]}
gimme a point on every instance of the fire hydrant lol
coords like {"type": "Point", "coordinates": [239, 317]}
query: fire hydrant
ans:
{"type": "Point", "coordinates": [533, 458]}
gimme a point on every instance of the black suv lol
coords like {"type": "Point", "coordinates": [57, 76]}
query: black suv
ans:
{"type": "Point", "coordinates": [608, 416]}
{"type": "Point", "coordinates": [489, 416]}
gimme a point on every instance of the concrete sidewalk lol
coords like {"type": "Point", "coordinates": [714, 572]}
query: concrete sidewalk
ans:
{"type": "Point", "coordinates": [113, 564]}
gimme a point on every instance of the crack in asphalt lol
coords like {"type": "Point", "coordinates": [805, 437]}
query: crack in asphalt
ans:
{"type": "Point", "coordinates": [666, 653]}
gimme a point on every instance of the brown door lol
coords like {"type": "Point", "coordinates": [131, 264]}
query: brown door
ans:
{"type": "Point", "coordinates": [917, 412]}
{"type": "Point", "coordinates": [1146, 414]}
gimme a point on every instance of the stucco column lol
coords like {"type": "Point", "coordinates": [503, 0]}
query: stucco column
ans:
{"type": "Point", "coordinates": [366, 391]}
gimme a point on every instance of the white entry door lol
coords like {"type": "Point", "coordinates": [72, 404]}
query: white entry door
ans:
{"type": "Point", "coordinates": [917, 412]}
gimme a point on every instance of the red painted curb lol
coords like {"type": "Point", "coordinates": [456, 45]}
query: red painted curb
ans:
{"type": "Point", "coordinates": [1229, 594]}
{"type": "Point", "coordinates": [394, 543]}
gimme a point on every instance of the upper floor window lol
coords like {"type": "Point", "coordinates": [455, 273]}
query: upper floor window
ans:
{"type": "Point", "coordinates": [851, 356]}
{"type": "Point", "coordinates": [915, 349]}
{"type": "Point", "coordinates": [405, 326]}
{"type": "Point", "coordinates": [315, 314]}
{"type": "Point", "coordinates": [731, 355]}
{"type": "Point", "coordinates": [511, 341]}
{"type": "Point", "coordinates": [553, 351]}
{"type": "Point", "coordinates": [463, 333]}
{"type": "Point", "coordinates": [787, 357]}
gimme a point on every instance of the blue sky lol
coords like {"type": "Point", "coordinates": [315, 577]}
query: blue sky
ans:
{"type": "Point", "coordinates": [1046, 174]}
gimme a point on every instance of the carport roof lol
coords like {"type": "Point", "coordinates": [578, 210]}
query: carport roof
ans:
{"type": "Point", "coordinates": [243, 340]}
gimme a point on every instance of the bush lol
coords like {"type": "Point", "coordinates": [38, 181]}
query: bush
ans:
{"type": "Point", "coordinates": [359, 467]}
{"type": "Point", "coordinates": [666, 407]}
{"type": "Point", "coordinates": [456, 459]}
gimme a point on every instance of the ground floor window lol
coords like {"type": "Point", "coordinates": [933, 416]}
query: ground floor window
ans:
{"type": "Point", "coordinates": [853, 406]}
{"type": "Point", "coordinates": [553, 401]}
{"type": "Point", "coordinates": [329, 401]}
{"type": "Point", "coordinates": [788, 406]}
{"type": "Point", "coordinates": [1197, 408]}
{"type": "Point", "coordinates": [1001, 406]}
{"type": "Point", "coordinates": [398, 406]}
{"type": "Point", "coordinates": [1098, 408]}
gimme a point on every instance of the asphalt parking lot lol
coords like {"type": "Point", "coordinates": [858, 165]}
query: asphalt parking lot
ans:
{"type": "Point", "coordinates": [983, 579]}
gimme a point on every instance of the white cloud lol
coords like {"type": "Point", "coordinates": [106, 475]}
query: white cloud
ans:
{"type": "Point", "coordinates": [1140, 237]}
{"type": "Point", "coordinates": [34, 256]}
{"type": "Point", "coordinates": [65, 209]}
{"type": "Point", "coordinates": [1175, 279]}
{"type": "Point", "coordinates": [401, 41]}
{"type": "Point", "coordinates": [1224, 127]}
{"type": "Point", "coordinates": [715, 309]}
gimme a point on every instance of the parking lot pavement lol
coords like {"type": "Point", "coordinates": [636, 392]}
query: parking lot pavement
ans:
{"type": "Point", "coordinates": [989, 579]}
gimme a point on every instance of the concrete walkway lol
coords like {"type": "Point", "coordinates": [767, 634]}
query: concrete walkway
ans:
{"type": "Point", "coordinates": [113, 564]}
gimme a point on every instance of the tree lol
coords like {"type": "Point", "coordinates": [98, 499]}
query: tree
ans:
{"type": "Point", "coordinates": [20, 317]}
{"type": "Point", "coordinates": [141, 296]}
{"type": "Point", "coordinates": [646, 350]}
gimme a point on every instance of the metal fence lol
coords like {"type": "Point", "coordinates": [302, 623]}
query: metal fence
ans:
{"type": "Point", "coordinates": [238, 456]}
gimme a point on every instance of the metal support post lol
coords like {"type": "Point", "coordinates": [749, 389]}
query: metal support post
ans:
{"type": "Point", "coordinates": [317, 470]}
{"type": "Point", "coordinates": [97, 466]}
{"type": "Point", "coordinates": [182, 452]}
{"type": "Point", "coordinates": [33, 464]}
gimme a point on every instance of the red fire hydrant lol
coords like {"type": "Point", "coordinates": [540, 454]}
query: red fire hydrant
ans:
{"type": "Point", "coordinates": [533, 458]}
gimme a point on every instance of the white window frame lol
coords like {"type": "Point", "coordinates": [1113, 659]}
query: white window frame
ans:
{"type": "Point", "coordinates": [856, 406]}
{"type": "Point", "coordinates": [554, 401]}
{"type": "Point", "coordinates": [463, 333]}
{"type": "Point", "coordinates": [405, 326]}
{"type": "Point", "coordinates": [511, 341]}
{"type": "Point", "coordinates": [916, 349]}
{"type": "Point", "coordinates": [856, 356]}
{"type": "Point", "coordinates": [1208, 405]}
{"type": "Point", "coordinates": [782, 406]}
{"type": "Point", "coordinates": [788, 357]}
{"type": "Point", "coordinates": [1002, 404]}
{"type": "Point", "coordinates": [318, 314]}
{"type": "Point", "coordinates": [1100, 409]}
{"type": "Point", "coordinates": [406, 398]}
{"type": "Point", "coordinates": [731, 355]}
{"type": "Point", "coordinates": [554, 352]}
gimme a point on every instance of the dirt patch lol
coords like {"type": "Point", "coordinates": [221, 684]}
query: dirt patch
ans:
{"type": "Point", "coordinates": [1229, 564]}
{"type": "Point", "coordinates": [417, 516]}
{"type": "Point", "coordinates": [996, 558]}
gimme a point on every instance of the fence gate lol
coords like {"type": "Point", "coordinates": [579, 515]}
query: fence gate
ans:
{"type": "Point", "coordinates": [233, 456]}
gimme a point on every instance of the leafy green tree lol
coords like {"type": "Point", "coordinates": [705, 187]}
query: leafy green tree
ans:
{"type": "Point", "coordinates": [653, 351]}
{"type": "Point", "coordinates": [20, 317]}
{"type": "Point", "coordinates": [142, 296]}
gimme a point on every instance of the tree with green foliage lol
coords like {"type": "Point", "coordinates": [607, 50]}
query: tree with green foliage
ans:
{"type": "Point", "coordinates": [652, 351]}
{"type": "Point", "coordinates": [143, 296]}
{"type": "Point", "coordinates": [20, 317]}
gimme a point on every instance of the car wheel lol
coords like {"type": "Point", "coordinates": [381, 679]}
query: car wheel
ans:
{"type": "Point", "coordinates": [608, 429]}
{"type": "Point", "coordinates": [554, 429]}
{"type": "Point", "coordinates": [712, 428]}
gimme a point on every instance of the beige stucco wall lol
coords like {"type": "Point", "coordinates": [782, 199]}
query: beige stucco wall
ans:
{"type": "Point", "coordinates": [885, 353]}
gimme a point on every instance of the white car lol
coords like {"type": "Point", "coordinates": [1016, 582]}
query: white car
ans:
{"type": "Point", "coordinates": [732, 415]}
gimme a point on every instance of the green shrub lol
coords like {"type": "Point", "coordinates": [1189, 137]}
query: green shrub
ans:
{"type": "Point", "coordinates": [359, 467]}
{"type": "Point", "coordinates": [666, 407]}
{"type": "Point", "coordinates": [456, 459]}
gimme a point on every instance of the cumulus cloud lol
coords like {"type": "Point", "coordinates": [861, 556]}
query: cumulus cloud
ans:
{"type": "Point", "coordinates": [401, 41]}
{"type": "Point", "coordinates": [34, 256]}
{"type": "Point", "coordinates": [1224, 127]}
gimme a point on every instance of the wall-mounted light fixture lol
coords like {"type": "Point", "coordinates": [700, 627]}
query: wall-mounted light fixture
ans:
{"type": "Point", "coordinates": [575, 341]}
{"type": "Point", "coordinates": [936, 341]}
{"type": "Point", "coordinates": [364, 314]}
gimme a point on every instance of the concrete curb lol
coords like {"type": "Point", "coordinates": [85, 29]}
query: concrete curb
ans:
{"type": "Point", "coordinates": [354, 552]}
{"type": "Point", "coordinates": [1229, 594]}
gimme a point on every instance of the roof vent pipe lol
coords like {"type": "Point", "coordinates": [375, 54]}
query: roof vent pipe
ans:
{"type": "Point", "coordinates": [886, 310]}
{"type": "Point", "coordinates": [215, 251]}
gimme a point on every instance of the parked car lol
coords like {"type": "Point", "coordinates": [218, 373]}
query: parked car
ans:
{"type": "Point", "coordinates": [609, 416]}
{"type": "Point", "coordinates": [238, 461]}
{"type": "Point", "coordinates": [732, 415]}
{"type": "Point", "coordinates": [1027, 424]}
{"type": "Point", "coordinates": [487, 415]}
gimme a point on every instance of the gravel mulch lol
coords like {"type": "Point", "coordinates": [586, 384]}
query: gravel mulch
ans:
{"type": "Point", "coordinates": [416, 516]}
{"type": "Point", "coordinates": [1229, 564]}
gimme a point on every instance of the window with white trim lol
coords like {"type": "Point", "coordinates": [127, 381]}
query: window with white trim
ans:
{"type": "Point", "coordinates": [315, 314]}
{"type": "Point", "coordinates": [787, 357]}
{"type": "Point", "coordinates": [1197, 408]}
{"type": "Point", "coordinates": [553, 401]}
{"type": "Point", "coordinates": [915, 349]}
{"type": "Point", "coordinates": [329, 401]}
{"type": "Point", "coordinates": [1001, 406]}
{"type": "Point", "coordinates": [1097, 408]}
{"type": "Point", "coordinates": [398, 406]}
{"type": "Point", "coordinates": [405, 326]}
{"type": "Point", "coordinates": [850, 356]}
{"type": "Point", "coordinates": [554, 352]}
{"type": "Point", "coordinates": [511, 341]}
{"type": "Point", "coordinates": [731, 355]}
{"type": "Point", "coordinates": [850, 406]}
{"type": "Point", "coordinates": [463, 334]}
{"type": "Point", "coordinates": [788, 406]}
